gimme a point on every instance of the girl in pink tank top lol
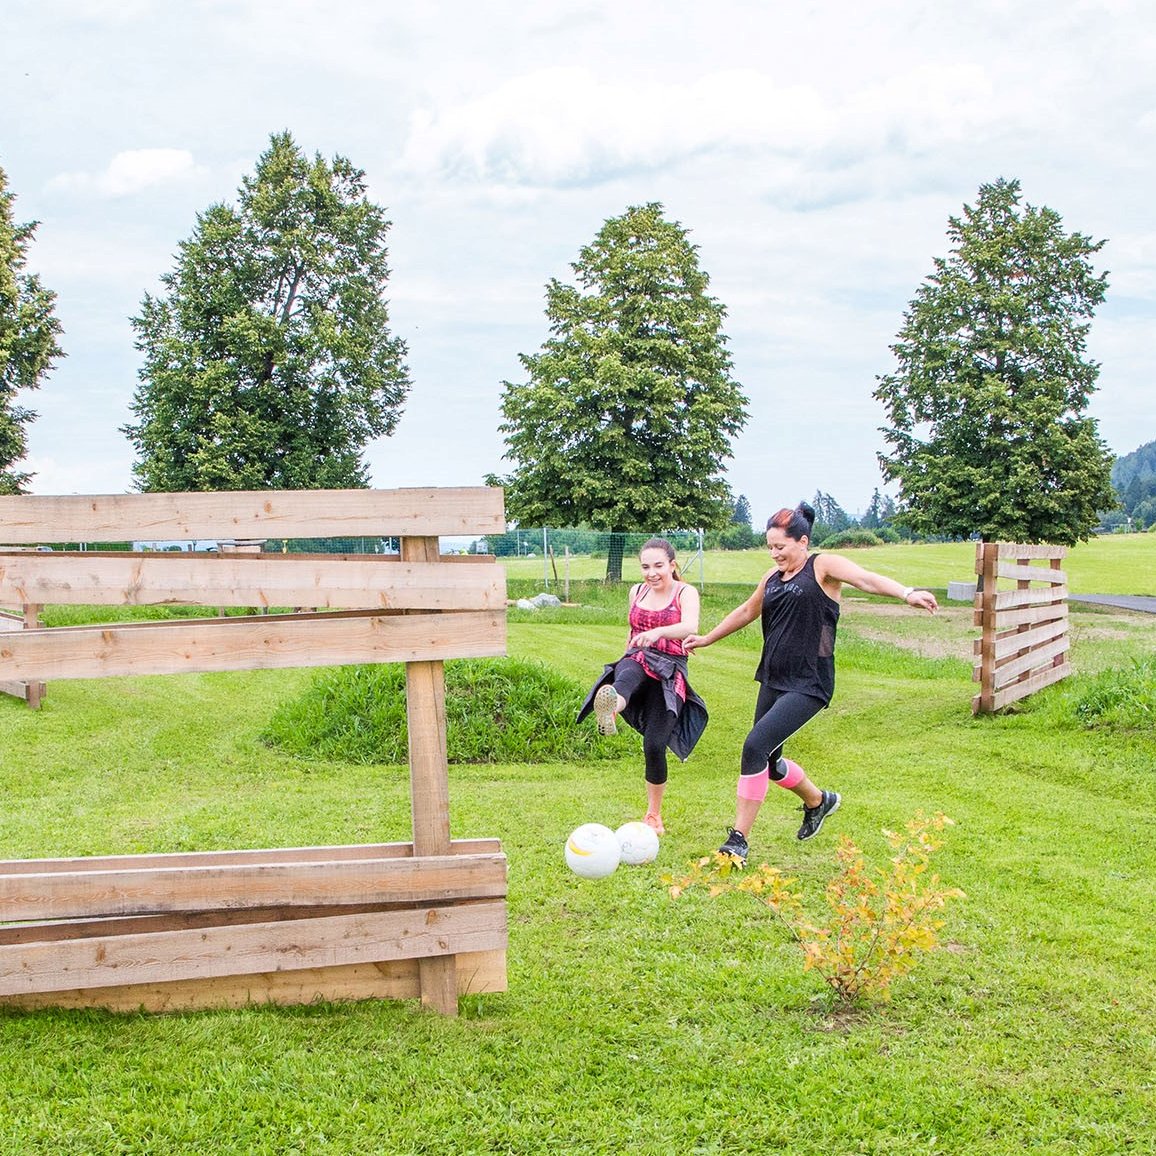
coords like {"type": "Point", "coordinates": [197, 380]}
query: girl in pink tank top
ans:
{"type": "Point", "coordinates": [648, 686]}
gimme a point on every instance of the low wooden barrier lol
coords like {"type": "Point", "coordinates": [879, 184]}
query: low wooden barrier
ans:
{"type": "Point", "coordinates": [1023, 645]}
{"type": "Point", "coordinates": [212, 929]}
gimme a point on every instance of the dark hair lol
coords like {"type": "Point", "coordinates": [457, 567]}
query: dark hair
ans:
{"type": "Point", "coordinates": [794, 523]}
{"type": "Point", "coordinates": [663, 545]}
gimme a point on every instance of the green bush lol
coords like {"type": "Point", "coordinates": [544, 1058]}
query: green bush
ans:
{"type": "Point", "coordinates": [850, 540]}
{"type": "Point", "coordinates": [497, 711]}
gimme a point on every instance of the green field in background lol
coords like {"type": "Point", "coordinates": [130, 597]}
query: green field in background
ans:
{"type": "Point", "coordinates": [1112, 564]}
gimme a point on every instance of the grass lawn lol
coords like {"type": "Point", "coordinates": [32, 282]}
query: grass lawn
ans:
{"type": "Point", "coordinates": [635, 1023]}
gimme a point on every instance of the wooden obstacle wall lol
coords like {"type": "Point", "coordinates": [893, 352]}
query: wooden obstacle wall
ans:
{"type": "Point", "coordinates": [1024, 642]}
{"type": "Point", "coordinates": [401, 920]}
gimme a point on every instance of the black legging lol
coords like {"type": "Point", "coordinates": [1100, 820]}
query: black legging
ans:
{"type": "Point", "coordinates": [658, 723]}
{"type": "Point", "coordinates": [778, 714]}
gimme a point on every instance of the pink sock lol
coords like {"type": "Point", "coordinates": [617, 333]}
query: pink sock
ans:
{"type": "Point", "coordinates": [754, 786]}
{"type": "Point", "coordinates": [794, 774]}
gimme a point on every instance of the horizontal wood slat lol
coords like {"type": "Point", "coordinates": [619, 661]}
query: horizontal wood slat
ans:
{"type": "Point", "coordinates": [477, 972]}
{"type": "Point", "coordinates": [1030, 573]}
{"type": "Point", "coordinates": [1027, 615]}
{"type": "Point", "coordinates": [1028, 686]}
{"type": "Point", "coordinates": [1007, 672]}
{"type": "Point", "coordinates": [1013, 599]}
{"type": "Point", "coordinates": [252, 643]}
{"type": "Point", "coordinates": [324, 582]}
{"type": "Point", "coordinates": [423, 512]}
{"type": "Point", "coordinates": [1016, 550]}
{"type": "Point", "coordinates": [252, 948]}
{"type": "Point", "coordinates": [41, 931]}
{"type": "Point", "coordinates": [140, 891]}
{"type": "Point", "coordinates": [1015, 641]}
{"type": "Point", "coordinates": [352, 852]}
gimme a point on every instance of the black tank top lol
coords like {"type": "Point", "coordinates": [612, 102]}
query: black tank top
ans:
{"type": "Point", "coordinates": [799, 622]}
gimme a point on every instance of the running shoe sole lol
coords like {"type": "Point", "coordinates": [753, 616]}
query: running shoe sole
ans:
{"type": "Point", "coordinates": [604, 703]}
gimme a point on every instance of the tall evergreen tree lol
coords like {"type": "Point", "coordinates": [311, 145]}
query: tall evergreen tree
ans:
{"type": "Point", "coordinates": [986, 410]}
{"type": "Point", "coordinates": [28, 346]}
{"type": "Point", "coordinates": [268, 361]}
{"type": "Point", "coordinates": [626, 419]}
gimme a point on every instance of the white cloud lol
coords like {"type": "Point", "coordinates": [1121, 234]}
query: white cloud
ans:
{"type": "Point", "coordinates": [566, 125]}
{"type": "Point", "coordinates": [132, 172]}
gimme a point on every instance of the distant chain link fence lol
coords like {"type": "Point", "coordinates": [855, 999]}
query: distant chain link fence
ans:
{"type": "Point", "coordinates": [592, 553]}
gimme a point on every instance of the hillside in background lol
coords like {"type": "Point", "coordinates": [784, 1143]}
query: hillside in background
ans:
{"type": "Point", "coordinates": [1134, 478]}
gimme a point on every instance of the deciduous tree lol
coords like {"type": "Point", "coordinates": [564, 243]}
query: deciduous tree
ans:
{"type": "Point", "coordinates": [268, 360]}
{"type": "Point", "coordinates": [626, 419]}
{"type": "Point", "coordinates": [986, 411]}
{"type": "Point", "coordinates": [28, 346]}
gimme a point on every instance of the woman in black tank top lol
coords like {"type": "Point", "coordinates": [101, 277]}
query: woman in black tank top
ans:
{"type": "Point", "coordinates": [798, 602]}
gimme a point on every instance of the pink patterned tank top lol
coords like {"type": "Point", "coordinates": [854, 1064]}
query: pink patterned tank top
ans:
{"type": "Point", "coordinates": [642, 619]}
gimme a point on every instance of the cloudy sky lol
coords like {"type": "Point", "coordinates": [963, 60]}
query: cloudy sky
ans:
{"type": "Point", "coordinates": [814, 150]}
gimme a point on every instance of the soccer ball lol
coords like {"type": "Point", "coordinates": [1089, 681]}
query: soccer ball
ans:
{"type": "Point", "coordinates": [592, 851]}
{"type": "Point", "coordinates": [639, 843]}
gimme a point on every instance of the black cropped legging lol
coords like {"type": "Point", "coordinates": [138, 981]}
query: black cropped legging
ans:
{"type": "Point", "coordinates": [778, 715]}
{"type": "Point", "coordinates": [658, 723]}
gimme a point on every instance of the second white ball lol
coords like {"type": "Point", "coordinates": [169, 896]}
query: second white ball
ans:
{"type": "Point", "coordinates": [638, 843]}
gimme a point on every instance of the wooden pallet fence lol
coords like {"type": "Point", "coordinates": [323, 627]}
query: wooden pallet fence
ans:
{"type": "Point", "coordinates": [1023, 645]}
{"type": "Point", "coordinates": [164, 932]}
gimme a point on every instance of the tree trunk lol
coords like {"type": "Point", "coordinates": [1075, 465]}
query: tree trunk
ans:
{"type": "Point", "coordinates": [614, 550]}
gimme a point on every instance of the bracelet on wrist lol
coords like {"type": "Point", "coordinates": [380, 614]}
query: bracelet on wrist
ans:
{"type": "Point", "coordinates": [907, 592]}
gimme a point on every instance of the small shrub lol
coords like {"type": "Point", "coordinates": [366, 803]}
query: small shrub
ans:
{"type": "Point", "coordinates": [850, 540]}
{"type": "Point", "coordinates": [498, 710]}
{"type": "Point", "coordinates": [880, 921]}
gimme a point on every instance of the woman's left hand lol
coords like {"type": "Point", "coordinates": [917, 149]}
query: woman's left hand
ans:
{"type": "Point", "coordinates": [645, 639]}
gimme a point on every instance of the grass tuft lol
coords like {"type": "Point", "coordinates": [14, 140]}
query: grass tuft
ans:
{"type": "Point", "coordinates": [497, 711]}
{"type": "Point", "coordinates": [1118, 699]}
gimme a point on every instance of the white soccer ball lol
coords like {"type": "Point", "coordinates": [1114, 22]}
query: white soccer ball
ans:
{"type": "Point", "coordinates": [638, 841]}
{"type": "Point", "coordinates": [592, 851]}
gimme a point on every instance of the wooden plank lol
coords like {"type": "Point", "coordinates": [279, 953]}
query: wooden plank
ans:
{"type": "Point", "coordinates": [265, 580]}
{"type": "Point", "coordinates": [1007, 672]}
{"type": "Point", "coordinates": [1013, 599]}
{"type": "Point", "coordinates": [1021, 550]}
{"type": "Point", "coordinates": [1032, 615]}
{"type": "Point", "coordinates": [1007, 644]}
{"type": "Point", "coordinates": [1037, 682]}
{"type": "Point", "coordinates": [476, 972]}
{"type": "Point", "coordinates": [446, 511]}
{"type": "Point", "coordinates": [52, 930]}
{"type": "Point", "coordinates": [985, 563]}
{"type": "Point", "coordinates": [425, 697]}
{"type": "Point", "coordinates": [36, 689]}
{"type": "Point", "coordinates": [340, 852]}
{"type": "Point", "coordinates": [264, 642]}
{"type": "Point", "coordinates": [1030, 573]}
{"type": "Point", "coordinates": [252, 948]}
{"type": "Point", "coordinates": [137, 891]}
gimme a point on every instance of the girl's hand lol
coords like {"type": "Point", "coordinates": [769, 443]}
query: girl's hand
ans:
{"type": "Point", "coordinates": [645, 639]}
